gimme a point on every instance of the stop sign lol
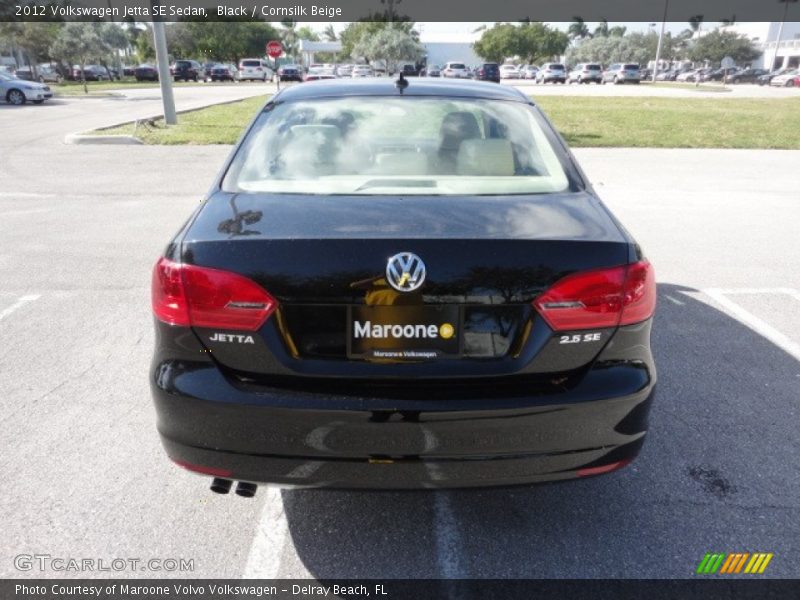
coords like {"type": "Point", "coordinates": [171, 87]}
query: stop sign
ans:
{"type": "Point", "coordinates": [274, 49]}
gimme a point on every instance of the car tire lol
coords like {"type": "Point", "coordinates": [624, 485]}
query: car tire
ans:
{"type": "Point", "coordinates": [616, 80]}
{"type": "Point", "coordinates": [790, 83]}
{"type": "Point", "coordinates": [16, 97]}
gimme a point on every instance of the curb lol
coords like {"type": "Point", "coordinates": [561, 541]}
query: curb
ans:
{"type": "Point", "coordinates": [78, 139]}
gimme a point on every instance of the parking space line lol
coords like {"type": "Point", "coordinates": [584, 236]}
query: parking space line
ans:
{"type": "Point", "coordinates": [264, 558]}
{"type": "Point", "coordinates": [21, 301]}
{"type": "Point", "coordinates": [753, 322]}
{"type": "Point", "coordinates": [449, 546]}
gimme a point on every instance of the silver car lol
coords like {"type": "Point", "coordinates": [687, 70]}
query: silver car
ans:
{"type": "Point", "coordinates": [18, 91]}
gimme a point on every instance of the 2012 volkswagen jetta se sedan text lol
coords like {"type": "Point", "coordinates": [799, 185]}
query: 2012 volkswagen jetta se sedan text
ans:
{"type": "Point", "coordinates": [402, 285]}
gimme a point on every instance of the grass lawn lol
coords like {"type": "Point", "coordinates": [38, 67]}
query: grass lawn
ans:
{"type": "Point", "coordinates": [584, 122]}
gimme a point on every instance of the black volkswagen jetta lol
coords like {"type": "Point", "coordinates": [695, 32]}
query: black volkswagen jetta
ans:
{"type": "Point", "coordinates": [402, 285]}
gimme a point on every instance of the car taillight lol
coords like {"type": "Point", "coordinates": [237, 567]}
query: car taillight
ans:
{"type": "Point", "coordinates": [195, 296]}
{"type": "Point", "coordinates": [600, 299]}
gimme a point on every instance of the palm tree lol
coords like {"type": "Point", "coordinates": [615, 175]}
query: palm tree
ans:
{"type": "Point", "coordinates": [602, 29]}
{"type": "Point", "coordinates": [618, 31]}
{"type": "Point", "coordinates": [330, 33]}
{"type": "Point", "coordinates": [695, 23]}
{"type": "Point", "coordinates": [578, 29]}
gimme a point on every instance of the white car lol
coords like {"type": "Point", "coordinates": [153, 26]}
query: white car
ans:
{"type": "Point", "coordinates": [361, 71]}
{"type": "Point", "coordinates": [18, 91]}
{"type": "Point", "coordinates": [528, 72]}
{"type": "Point", "coordinates": [785, 79]}
{"type": "Point", "coordinates": [509, 72]}
{"type": "Point", "coordinates": [456, 70]}
{"type": "Point", "coordinates": [255, 69]}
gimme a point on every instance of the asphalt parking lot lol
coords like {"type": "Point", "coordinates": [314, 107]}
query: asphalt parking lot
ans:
{"type": "Point", "coordinates": [85, 475]}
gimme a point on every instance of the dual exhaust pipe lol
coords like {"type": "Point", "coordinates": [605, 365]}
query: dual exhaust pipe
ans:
{"type": "Point", "coordinates": [243, 488]}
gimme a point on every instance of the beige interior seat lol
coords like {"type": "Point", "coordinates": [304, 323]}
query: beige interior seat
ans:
{"type": "Point", "coordinates": [492, 157]}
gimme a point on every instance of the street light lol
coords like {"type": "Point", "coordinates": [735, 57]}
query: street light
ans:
{"type": "Point", "coordinates": [660, 39]}
{"type": "Point", "coordinates": [780, 33]}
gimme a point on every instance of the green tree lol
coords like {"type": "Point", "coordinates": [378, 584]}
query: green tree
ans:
{"type": "Point", "coordinates": [355, 31]}
{"type": "Point", "coordinates": [229, 40]}
{"type": "Point", "coordinates": [330, 33]}
{"type": "Point", "coordinates": [618, 31]}
{"type": "Point", "coordinates": [531, 42]}
{"type": "Point", "coordinates": [79, 43]}
{"type": "Point", "coordinates": [390, 45]}
{"type": "Point", "coordinates": [716, 45]}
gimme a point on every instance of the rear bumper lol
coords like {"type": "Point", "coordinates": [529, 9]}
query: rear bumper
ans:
{"type": "Point", "coordinates": [293, 438]}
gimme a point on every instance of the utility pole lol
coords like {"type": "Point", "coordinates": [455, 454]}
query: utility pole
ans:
{"type": "Point", "coordinates": [660, 39]}
{"type": "Point", "coordinates": [771, 67]}
{"type": "Point", "coordinates": [164, 77]}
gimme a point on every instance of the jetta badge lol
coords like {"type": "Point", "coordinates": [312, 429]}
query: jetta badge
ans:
{"type": "Point", "coordinates": [405, 272]}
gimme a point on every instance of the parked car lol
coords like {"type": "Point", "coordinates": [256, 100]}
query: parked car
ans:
{"type": "Point", "coordinates": [433, 71]}
{"type": "Point", "coordinates": [528, 72]}
{"type": "Point", "coordinates": [688, 76]}
{"type": "Point", "coordinates": [17, 91]}
{"type": "Point", "coordinates": [187, 70]}
{"type": "Point", "coordinates": [255, 69]}
{"type": "Point", "coordinates": [290, 73]}
{"type": "Point", "coordinates": [455, 70]}
{"type": "Point", "coordinates": [715, 74]}
{"type": "Point", "coordinates": [509, 71]}
{"type": "Point", "coordinates": [586, 73]}
{"type": "Point", "coordinates": [7, 69]}
{"type": "Point", "coordinates": [224, 72]}
{"type": "Point", "coordinates": [317, 73]}
{"type": "Point", "coordinates": [619, 73]}
{"type": "Point", "coordinates": [747, 75]}
{"type": "Point", "coordinates": [344, 70]}
{"type": "Point", "coordinates": [668, 75]}
{"type": "Point", "coordinates": [488, 72]}
{"type": "Point", "coordinates": [128, 71]}
{"type": "Point", "coordinates": [90, 73]}
{"type": "Point", "coordinates": [145, 72]}
{"type": "Point", "coordinates": [409, 70]}
{"type": "Point", "coordinates": [767, 79]}
{"type": "Point", "coordinates": [360, 71]}
{"type": "Point", "coordinates": [785, 79]}
{"type": "Point", "coordinates": [508, 346]}
{"type": "Point", "coordinates": [552, 73]}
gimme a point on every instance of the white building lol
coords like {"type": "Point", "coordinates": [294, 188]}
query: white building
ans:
{"type": "Point", "coordinates": [441, 48]}
{"type": "Point", "coordinates": [765, 35]}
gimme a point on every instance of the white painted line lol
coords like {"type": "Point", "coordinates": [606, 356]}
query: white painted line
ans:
{"type": "Point", "coordinates": [20, 302]}
{"type": "Point", "coordinates": [449, 546]}
{"type": "Point", "coordinates": [264, 558]}
{"type": "Point", "coordinates": [753, 291]}
{"type": "Point", "coordinates": [753, 322]}
{"type": "Point", "coordinates": [25, 195]}
{"type": "Point", "coordinates": [674, 300]}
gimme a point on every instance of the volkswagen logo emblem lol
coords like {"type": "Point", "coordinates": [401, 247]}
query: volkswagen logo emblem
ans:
{"type": "Point", "coordinates": [405, 272]}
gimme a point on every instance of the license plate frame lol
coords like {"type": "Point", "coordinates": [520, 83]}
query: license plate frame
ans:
{"type": "Point", "coordinates": [405, 348]}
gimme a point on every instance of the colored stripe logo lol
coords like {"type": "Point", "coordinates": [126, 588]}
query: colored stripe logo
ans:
{"type": "Point", "coordinates": [734, 562]}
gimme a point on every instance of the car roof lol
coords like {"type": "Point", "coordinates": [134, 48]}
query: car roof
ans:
{"type": "Point", "coordinates": [385, 86]}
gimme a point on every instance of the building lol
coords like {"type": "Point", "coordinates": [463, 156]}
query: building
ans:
{"type": "Point", "coordinates": [765, 35]}
{"type": "Point", "coordinates": [441, 48]}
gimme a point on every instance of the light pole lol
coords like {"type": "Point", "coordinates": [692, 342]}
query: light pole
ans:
{"type": "Point", "coordinates": [660, 39]}
{"type": "Point", "coordinates": [780, 33]}
{"type": "Point", "coordinates": [164, 77]}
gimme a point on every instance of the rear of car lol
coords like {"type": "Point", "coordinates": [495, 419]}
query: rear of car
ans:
{"type": "Point", "coordinates": [586, 73]}
{"type": "Point", "coordinates": [186, 70]}
{"type": "Point", "coordinates": [494, 330]}
{"type": "Point", "coordinates": [620, 73]}
{"type": "Point", "coordinates": [224, 72]}
{"type": "Point", "coordinates": [361, 71]}
{"type": "Point", "coordinates": [254, 69]}
{"type": "Point", "coordinates": [145, 72]}
{"type": "Point", "coordinates": [785, 79]}
{"type": "Point", "coordinates": [456, 70]}
{"type": "Point", "coordinates": [488, 72]}
{"type": "Point", "coordinates": [552, 73]}
{"type": "Point", "coordinates": [290, 73]}
{"type": "Point", "coordinates": [509, 72]}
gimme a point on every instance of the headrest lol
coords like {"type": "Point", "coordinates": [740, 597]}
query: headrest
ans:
{"type": "Point", "coordinates": [493, 157]}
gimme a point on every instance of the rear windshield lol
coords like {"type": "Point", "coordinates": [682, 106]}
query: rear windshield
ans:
{"type": "Point", "coordinates": [395, 145]}
{"type": "Point", "coordinates": [489, 65]}
{"type": "Point", "coordinates": [457, 66]}
{"type": "Point", "coordinates": [592, 67]}
{"type": "Point", "coordinates": [183, 63]}
{"type": "Point", "coordinates": [556, 67]}
{"type": "Point", "coordinates": [631, 67]}
{"type": "Point", "coordinates": [251, 63]}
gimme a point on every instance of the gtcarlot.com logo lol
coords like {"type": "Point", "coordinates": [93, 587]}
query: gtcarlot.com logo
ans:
{"type": "Point", "coordinates": [735, 562]}
{"type": "Point", "coordinates": [47, 562]}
